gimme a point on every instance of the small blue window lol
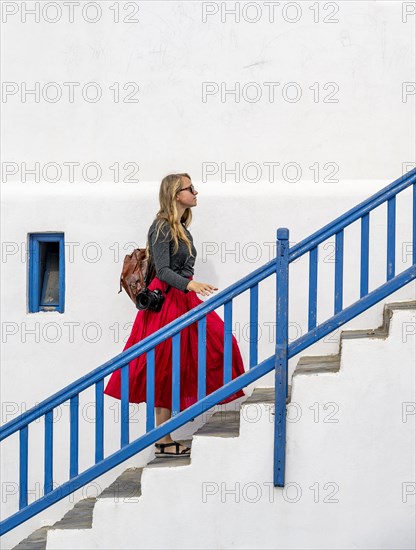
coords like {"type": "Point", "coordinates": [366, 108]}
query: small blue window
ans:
{"type": "Point", "coordinates": [46, 272]}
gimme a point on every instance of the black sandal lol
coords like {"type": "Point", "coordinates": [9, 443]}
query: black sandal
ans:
{"type": "Point", "coordinates": [163, 453]}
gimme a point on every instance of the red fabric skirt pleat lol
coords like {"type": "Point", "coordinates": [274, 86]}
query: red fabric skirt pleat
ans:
{"type": "Point", "coordinates": [147, 322]}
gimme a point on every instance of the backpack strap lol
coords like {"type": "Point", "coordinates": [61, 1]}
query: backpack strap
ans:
{"type": "Point", "coordinates": [150, 269]}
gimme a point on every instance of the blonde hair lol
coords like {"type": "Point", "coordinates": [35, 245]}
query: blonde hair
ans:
{"type": "Point", "coordinates": [169, 187]}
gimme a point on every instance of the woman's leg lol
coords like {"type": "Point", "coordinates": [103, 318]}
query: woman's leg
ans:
{"type": "Point", "coordinates": [162, 415]}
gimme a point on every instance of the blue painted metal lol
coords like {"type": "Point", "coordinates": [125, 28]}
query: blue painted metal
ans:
{"type": "Point", "coordinates": [73, 435]}
{"type": "Point", "coordinates": [197, 314]}
{"type": "Point", "coordinates": [391, 237]}
{"type": "Point", "coordinates": [281, 361]}
{"type": "Point", "coordinates": [23, 466]}
{"type": "Point", "coordinates": [254, 325]}
{"type": "Point", "coordinates": [313, 287]}
{"type": "Point", "coordinates": [339, 270]}
{"type": "Point", "coordinates": [202, 358]}
{"type": "Point", "coordinates": [228, 333]}
{"type": "Point", "coordinates": [365, 246]}
{"type": "Point", "coordinates": [124, 405]}
{"type": "Point", "coordinates": [99, 421]}
{"type": "Point", "coordinates": [176, 373]}
{"type": "Point", "coordinates": [48, 465]}
{"type": "Point", "coordinates": [150, 390]}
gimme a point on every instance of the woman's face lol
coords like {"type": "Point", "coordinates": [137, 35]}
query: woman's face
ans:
{"type": "Point", "coordinates": [185, 197]}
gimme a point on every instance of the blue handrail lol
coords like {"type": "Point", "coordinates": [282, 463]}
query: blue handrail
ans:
{"type": "Point", "coordinates": [278, 266]}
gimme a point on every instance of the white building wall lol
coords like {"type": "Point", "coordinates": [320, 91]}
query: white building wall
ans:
{"type": "Point", "coordinates": [328, 85]}
{"type": "Point", "coordinates": [258, 165]}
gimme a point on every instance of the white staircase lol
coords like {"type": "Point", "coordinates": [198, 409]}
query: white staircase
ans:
{"type": "Point", "coordinates": [350, 474]}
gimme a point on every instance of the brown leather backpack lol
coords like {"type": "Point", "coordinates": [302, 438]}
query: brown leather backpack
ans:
{"type": "Point", "coordinates": [137, 273]}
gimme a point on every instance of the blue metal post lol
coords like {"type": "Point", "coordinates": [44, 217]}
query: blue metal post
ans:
{"type": "Point", "coordinates": [254, 325]}
{"type": "Point", "coordinates": [228, 335]}
{"type": "Point", "coordinates": [202, 356]}
{"type": "Point", "coordinates": [365, 247]}
{"type": "Point", "coordinates": [73, 435]}
{"type": "Point", "coordinates": [281, 360]}
{"type": "Point", "coordinates": [124, 416]}
{"type": "Point", "coordinates": [313, 287]}
{"type": "Point", "coordinates": [99, 420]}
{"type": "Point", "coordinates": [339, 270]}
{"type": "Point", "coordinates": [23, 466]}
{"type": "Point", "coordinates": [48, 466]}
{"type": "Point", "coordinates": [176, 374]}
{"type": "Point", "coordinates": [150, 389]}
{"type": "Point", "coordinates": [391, 238]}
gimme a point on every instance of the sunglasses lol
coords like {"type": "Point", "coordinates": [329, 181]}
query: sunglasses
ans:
{"type": "Point", "coordinates": [191, 188]}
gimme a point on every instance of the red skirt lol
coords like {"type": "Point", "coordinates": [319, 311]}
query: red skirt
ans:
{"type": "Point", "coordinates": [147, 322]}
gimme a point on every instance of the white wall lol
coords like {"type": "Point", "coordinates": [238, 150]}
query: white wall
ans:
{"type": "Point", "coordinates": [360, 54]}
{"type": "Point", "coordinates": [349, 469]}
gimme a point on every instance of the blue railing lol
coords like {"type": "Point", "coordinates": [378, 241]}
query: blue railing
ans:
{"type": "Point", "coordinates": [278, 361]}
{"type": "Point", "coordinates": [284, 350]}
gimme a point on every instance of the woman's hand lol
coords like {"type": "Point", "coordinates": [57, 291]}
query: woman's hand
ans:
{"type": "Point", "coordinates": [201, 288]}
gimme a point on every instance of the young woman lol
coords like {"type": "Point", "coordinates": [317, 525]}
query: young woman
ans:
{"type": "Point", "coordinates": [170, 244]}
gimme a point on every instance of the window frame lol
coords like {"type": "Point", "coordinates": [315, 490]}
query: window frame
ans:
{"type": "Point", "coordinates": [34, 282]}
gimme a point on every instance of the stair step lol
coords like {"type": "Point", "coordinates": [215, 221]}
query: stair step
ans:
{"type": "Point", "coordinates": [127, 485]}
{"type": "Point", "coordinates": [221, 424]}
{"type": "Point", "coordinates": [160, 462]}
{"type": "Point", "coordinates": [383, 330]}
{"type": "Point", "coordinates": [318, 364]}
{"type": "Point", "coordinates": [227, 423]}
{"type": "Point", "coordinates": [35, 541]}
{"type": "Point", "coordinates": [261, 395]}
{"type": "Point", "coordinates": [80, 517]}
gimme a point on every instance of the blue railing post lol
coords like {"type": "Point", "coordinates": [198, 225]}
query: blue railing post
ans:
{"type": "Point", "coordinates": [281, 357]}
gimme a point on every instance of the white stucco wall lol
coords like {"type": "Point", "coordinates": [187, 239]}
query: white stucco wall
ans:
{"type": "Point", "coordinates": [349, 469]}
{"type": "Point", "coordinates": [328, 85]}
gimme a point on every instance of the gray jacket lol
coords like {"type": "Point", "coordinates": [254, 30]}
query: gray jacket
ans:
{"type": "Point", "coordinates": [171, 268]}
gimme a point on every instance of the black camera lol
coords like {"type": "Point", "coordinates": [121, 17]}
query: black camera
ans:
{"type": "Point", "coordinates": [150, 299]}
